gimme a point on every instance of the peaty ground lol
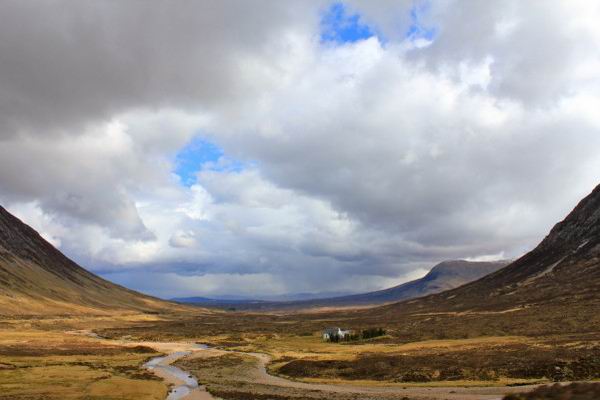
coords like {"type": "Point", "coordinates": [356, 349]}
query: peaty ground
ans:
{"type": "Point", "coordinates": [260, 356]}
{"type": "Point", "coordinates": [42, 359]}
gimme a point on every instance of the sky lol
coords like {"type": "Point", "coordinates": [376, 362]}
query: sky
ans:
{"type": "Point", "coordinates": [236, 148]}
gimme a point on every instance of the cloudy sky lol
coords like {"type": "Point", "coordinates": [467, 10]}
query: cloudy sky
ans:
{"type": "Point", "coordinates": [257, 148]}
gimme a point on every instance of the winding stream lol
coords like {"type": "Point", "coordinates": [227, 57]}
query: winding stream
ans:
{"type": "Point", "coordinates": [186, 385]}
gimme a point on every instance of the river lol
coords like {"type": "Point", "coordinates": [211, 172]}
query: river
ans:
{"type": "Point", "coordinates": [185, 385]}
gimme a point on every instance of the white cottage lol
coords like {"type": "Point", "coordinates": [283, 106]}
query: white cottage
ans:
{"type": "Point", "coordinates": [328, 333]}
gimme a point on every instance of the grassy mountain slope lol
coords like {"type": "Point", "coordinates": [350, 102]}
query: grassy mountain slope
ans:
{"type": "Point", "coordinates": [36, 278]}
{"type": "Point", "coordinates": [555, 288]}
{"type": "Point", "coordinates": [565, 266]}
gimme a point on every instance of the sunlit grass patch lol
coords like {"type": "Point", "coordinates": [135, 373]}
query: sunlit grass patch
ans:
{"type": "Point", "coordinates": [54, 365]}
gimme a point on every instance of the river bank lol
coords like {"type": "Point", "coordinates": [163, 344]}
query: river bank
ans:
{"type": "Point", "coordinates": [184, 385]}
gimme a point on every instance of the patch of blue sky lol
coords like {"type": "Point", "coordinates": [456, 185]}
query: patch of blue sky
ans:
{"type": "Point", "coordinates": [339, 26]}
{"type": "Point", "coordinates": [201, 154]}
{"type": "Point", "coordinates": [417, 29]}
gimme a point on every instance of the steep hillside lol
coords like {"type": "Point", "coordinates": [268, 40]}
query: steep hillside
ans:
{"type": "Point", "coordinates": [444, 276]}
{"type": "Point", "coordinates": [36, 278]}
{"type": "Point", "coordinates": [565, 265]}
{"type": "Point", "coordinates": [555, 288]}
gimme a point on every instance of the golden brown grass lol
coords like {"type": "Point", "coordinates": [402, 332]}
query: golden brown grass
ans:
{"type": "Point", "coordinates": [439, 384]}
{"type": "Point", "coordinates": [58, 362]}
{"type": "Point", "coordinates": [51, 364]}
{"type": "Point", "coordinates": [288, 346]}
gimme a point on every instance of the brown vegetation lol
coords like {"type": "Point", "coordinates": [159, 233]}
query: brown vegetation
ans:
{"type": "Point", "coordinates": [574, 391]}
{"type": "Point", "coordinates": [53, 365]}
{"type": "Point", "coordinates": [486, 363]}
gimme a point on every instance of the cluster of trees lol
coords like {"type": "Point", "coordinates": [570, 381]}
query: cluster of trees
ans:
{"type": "Point", "coordinates": [372, 333]}
{"type": "Point", "coordinates": [365, 334]}
{"type": "Point", "coordinates": [346, 338]}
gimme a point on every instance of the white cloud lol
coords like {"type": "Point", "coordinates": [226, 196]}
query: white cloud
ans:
{"type": "Point", "coordinates": [183, 239]}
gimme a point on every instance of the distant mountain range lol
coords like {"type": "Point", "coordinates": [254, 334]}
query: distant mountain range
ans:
{"type": "Point", "coordinates": [444, 276]}
{"type": "Point", "coordinates": [36, 278]}
{"type": "Point", "coordinates": [232, 299]}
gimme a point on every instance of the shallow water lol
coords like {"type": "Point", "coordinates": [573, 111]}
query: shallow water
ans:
{"type": "Point", "coordinates": [161, 363]}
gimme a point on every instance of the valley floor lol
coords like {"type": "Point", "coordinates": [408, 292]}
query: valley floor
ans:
{"type": "Point", "coordinates": [42, 359]}
{"type": "Point", "coordinates": [235, 375]}
{"type": "Point", "coordinates": [60, 358]}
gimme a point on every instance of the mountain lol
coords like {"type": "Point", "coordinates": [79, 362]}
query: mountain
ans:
{"type": "Point", "coordinates": [36, 278]}
{"type": "Point", "coordinates": [565, 264]}
{"type": "Point", "coordinates": [553, 288]}
{"type": "Point", "coordinates": [444, 276]}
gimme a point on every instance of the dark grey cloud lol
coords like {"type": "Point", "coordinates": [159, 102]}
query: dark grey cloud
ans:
{"type": "Point", "coordinates": [66, 64]}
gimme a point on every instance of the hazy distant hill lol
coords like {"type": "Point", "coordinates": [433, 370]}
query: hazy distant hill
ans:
{"type": "Point", "coordinates": [36, 278]}
{"type": "Point", "coordinates": [444, 276]}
